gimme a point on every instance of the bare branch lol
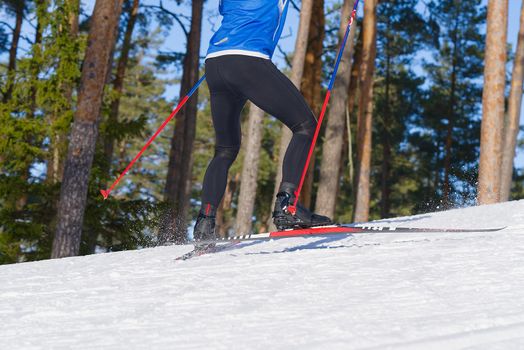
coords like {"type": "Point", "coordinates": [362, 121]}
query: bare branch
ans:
{"type": "Point", "coordinates": [295, 6]}
{"type": "Point", "coordinates": [286, 58]}
{"type": "Point", "coordinates": [176, 17]}
{"type": "Point", "coordinates": [7, 25]}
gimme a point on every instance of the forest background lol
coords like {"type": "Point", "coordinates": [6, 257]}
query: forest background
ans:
{"type": "Point", "coordinates": [425, 111]}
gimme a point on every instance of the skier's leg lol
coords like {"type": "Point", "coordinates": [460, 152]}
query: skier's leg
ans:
{"type": "Point", "coordinates": [226, 107]}
{"type": "Point", "coordinates": [273, 92]}
{"type": "Point", "coordinates": [261, 82]}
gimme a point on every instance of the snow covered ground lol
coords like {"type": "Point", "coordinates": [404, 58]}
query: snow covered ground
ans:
{"type": "Point", "coordinates": [367, 291]}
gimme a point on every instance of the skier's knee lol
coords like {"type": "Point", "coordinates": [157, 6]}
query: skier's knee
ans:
{"type": "Point", "coordinates": [229, 153]}
{"type": "Point", "coordinates": [306, 128]}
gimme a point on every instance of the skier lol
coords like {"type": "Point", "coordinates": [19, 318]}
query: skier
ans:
{"type": "Point", "coordinates": [238, 67]}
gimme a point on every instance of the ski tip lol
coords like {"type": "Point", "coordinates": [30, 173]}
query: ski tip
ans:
{"type": "Point", "coordinates": [104, 193]}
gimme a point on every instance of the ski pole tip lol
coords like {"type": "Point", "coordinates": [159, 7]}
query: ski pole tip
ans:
{"type": "Point", "coordinates": [104, 193]}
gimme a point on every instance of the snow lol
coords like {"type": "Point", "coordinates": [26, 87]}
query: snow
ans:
{"type": "Point", "coordinates": [366, 291]}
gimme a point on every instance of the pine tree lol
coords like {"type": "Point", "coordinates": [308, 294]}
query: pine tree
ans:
{"type": "Point", "coordinates": [446, 136]}
{"type": "Point", "coordinates": [401, 33]}
{"type": "Point", "coordinates": [84, 132]}
{"type": "Point", "coordinates": [28, 205]}
{"type": "Point", "coordinates": [66, 47]}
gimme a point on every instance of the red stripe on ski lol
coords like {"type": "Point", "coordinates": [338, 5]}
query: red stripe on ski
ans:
{"type": "Point", "coordinates": [314, 231]}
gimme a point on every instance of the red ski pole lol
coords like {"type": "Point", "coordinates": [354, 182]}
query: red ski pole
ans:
{"type": "Point", "coordinates": [105, 193]}
{"type": "Point", "coordinates": [292, 208]}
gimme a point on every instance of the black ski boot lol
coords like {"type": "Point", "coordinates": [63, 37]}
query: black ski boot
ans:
{"type": "Point", "coordinates": [302, 218]}
{"type": "Point", "coordinates": [205, 224]}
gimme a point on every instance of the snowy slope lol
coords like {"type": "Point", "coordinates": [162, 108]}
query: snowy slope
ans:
{"type": "Point", "coordinates": [368, 291]}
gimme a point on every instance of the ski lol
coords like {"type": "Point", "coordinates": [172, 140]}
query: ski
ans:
{"type": "Point", "coordinates": [222, 244]}
{"type": "Point", "coordinates": [342, 229]}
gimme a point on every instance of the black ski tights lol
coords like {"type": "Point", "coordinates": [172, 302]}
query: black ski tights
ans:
{"type": "Point", "coordinates": [232, 80]}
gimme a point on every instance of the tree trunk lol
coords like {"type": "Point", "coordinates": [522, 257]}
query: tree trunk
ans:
{"type": "Point", "coordinates": [73, 193]}
{"type": "Point", "coordinates": [311, 85]}
{"type": "Point", "coordinates": [385, 206]}
{"type": "Point", "coordinates": [37, 51]}
{"type": "Point", "coordinates": [348, 140]}
{"type": "Point", "coordinates": [352, 97]}
{"type": "Point", "coordinates": [297, 70]}
{"type": "Point", "coordinates": [11, 67]}
{"type": "Point", "coordinates": [332, 148]}
{"type": "Point", "coordinates": [248, 182]}
{"type": "Point", "coordinates": [493, 103]}
{"type": "Point", "coordinates": [362, 182]}
{"type": "Point", "coordinates": [386, 143]}
{"type": "Point", "coordinates": [178, 182]}
{"type": "Point", "coordinates": [447, 159]}
{"type": "Point", "coordinates": [385, 131]}
{"type": "Point", "coordinates": [118, 82]}
{"type": "Point", "coordinates": [511, 129]}
{"type": "Point", "coordinates": [355, 74]}
{"type": "Point", "coordinates": [436, 179]}
{"type": "Point", "coordinates": [363, 173]}
{"type": "Point", "coordinates": [220, 221]}
{"type": "Point", "coordinates": [451, 115]}
{"type": "Point", "coordinates": [225, 220]}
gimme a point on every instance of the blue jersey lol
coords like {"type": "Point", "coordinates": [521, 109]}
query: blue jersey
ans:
{"type": "Point", "coordinates": [249, 27]}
